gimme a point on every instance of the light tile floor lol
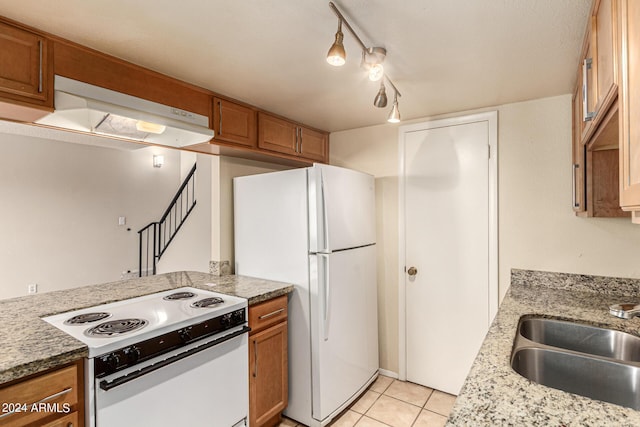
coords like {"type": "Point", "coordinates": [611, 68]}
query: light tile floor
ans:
{"type": "Point", "coordinates": [394, 403]}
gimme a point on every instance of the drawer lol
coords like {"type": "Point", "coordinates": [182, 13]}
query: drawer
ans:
{"type": "Point", "coordinates": [44, 396]}
{"type": "Point", "coordinates": [69, 420]}
{"type": "Point", "coordinates": [267, 313]}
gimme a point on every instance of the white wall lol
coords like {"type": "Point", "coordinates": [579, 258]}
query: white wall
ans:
{"type": "Point", "coordinates": [537, 228]}
{"type": "Point", "coordinates": [60, 209]}
{"type": "Point", "coordinates": [191, 247]}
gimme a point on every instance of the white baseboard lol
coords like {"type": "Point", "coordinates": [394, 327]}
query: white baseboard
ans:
{"type": "Point", "coordinates": [390, 374]}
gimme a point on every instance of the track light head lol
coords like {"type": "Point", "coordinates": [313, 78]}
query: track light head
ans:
{"type": "Point", "coordinates": [394, 115]}
{"type": "Point", "coordinates": [372, 60]}
{"type": "Point", "coordinates": [337, 55]}
{"type": "Point", "coordinates": [380, 100]}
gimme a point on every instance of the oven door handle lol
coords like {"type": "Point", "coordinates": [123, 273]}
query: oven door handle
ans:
{"type": "Point", "coordinates": [108, 385]}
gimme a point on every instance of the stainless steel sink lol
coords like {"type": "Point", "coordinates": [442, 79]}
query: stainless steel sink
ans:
{"type": "Point", "coordinates": [599, 363]}
{"type": "Point", "coordinates": [597, 378]}
{"type": "Point", "coordinates": [582, 338]}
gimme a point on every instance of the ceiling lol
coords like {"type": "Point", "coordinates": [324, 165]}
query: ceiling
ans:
{"type": "Point", "coordinates": [443, 55]}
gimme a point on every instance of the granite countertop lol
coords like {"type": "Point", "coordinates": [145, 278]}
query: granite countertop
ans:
{"type": "Point", "coordinates": [495, 395]}
{"type": "Point", "coordinates": [31, 345]}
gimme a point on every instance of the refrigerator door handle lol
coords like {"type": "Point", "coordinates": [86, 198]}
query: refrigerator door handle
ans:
{"type": "Point", "coordinates": [327, 296]}
{"type": "Point", "coordinates": [325, 215]}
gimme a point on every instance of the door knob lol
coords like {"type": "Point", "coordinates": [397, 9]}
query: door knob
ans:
{"type": "Point", "coordinates": [412, 271]}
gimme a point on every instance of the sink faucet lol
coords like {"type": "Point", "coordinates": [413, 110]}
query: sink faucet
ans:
{"type": "Point", "coordinates": [625, 311]}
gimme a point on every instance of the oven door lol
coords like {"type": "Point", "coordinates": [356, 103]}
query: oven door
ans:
{"type": "Point", "coordinates": [204, 384]}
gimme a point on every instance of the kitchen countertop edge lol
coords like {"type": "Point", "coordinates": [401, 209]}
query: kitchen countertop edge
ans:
{"type": "Point", "coordinates": [494, 394]}
{"type": "Point", "coordinates": [33, 346]}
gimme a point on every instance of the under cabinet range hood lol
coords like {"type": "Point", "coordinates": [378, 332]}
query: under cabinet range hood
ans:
{"type": "Point", "coordinates": [82, 107]}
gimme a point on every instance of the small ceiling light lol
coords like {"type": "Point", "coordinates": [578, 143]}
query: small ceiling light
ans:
{"type": "Point", "coordinates": [337, 55]}
{"type": "Point", "coordinates": [158, 161]}
{"type": "Point", "coordinates": [380, 100]}
{"type": "Point", "coordinates": [394, 115]}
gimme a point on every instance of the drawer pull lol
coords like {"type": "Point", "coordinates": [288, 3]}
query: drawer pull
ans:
{"type": "Point", "coordinates": [273, 313]}
{"type": "Point", "coordinates": [574, 192]}
{"type": "Point", "coordinates": [220, 116]}
{"type": "Point", "coordinates": [46, 399]}
{"type": "Point", "coordinates": [586, 114]}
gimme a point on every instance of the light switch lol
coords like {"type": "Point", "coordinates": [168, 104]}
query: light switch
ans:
{"type": "Point", "coordinates": [122, 220]}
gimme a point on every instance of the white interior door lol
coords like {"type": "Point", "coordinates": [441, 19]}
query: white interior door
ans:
{"type": "Point", "coordinates": [449, 226]}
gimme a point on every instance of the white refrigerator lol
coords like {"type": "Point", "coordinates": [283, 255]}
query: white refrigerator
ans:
{"type": "Point", "coordinates": [315, 227]}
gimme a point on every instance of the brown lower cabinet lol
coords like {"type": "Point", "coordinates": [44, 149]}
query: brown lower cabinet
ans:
{"type": "Point", "coordinates": [51, 399]}
{"type": "Point", "coordinates": [70, 420]}
{"type": "Point", "coordinates": [268, 362]}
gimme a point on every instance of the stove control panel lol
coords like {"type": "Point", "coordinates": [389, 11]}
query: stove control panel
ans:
{"type": "Point", "coordinates": [126, 357]}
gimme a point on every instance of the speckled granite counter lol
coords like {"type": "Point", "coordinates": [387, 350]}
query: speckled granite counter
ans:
{"type": "Point", "coordinates": [495, 395]}
{"type": "Point", "coordinates": [30, 345]}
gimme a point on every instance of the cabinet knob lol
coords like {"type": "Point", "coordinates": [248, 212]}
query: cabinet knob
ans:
{"type": "Point", "coordinates": [412, 271]}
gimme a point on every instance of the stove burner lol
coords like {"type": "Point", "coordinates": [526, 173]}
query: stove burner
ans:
{"type": "Point", "coordinates": [179, 295]}
{"type": "Point", "coordinates": [115, 327]}
{"type": "Point", "coordinates": [207, 302]}
{"type": "Point", "coordinates": [81, 319]}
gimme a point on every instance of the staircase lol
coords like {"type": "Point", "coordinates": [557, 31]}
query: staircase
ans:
{"type": "Point", "coordinates": [156, 237]}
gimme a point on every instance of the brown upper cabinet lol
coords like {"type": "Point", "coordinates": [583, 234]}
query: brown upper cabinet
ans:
{"type": "Point", "coordinates": [629, 75]}
{"type": "Point", "coordinates": [234, 123]}
{"type": "Point", "coordinates": [595, 118]}
{"type": "Point", "coordinates": [29, 59]}
{"type": "Point", "coordinates": [25, 74]}
{"type": "Point", "coordinates": [313, 144]}
{"type": "Point", "coordinates": [286, 137]}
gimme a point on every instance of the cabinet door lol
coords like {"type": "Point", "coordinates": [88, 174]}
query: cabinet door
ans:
{"type": "Point", "coordinates": [630, 105]}
{"type": "Point", "coordinates": [268, 377]}
{"type": "Point", "coordinates": [589, 93]}
{"type": "Point", "coordinates": [604, 24]}
{"type": "Point", "coordinates": [234, 123]}
{"type": "Point", "coordinates": [599, 66]}
{"type": "Point", "coordinates": [313, 145]}
{"type": "Point", "coordinates": [276, 134]}
{"type": "Point", "coordinates": [22, 63]}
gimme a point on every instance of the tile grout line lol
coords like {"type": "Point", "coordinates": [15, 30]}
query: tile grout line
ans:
{"type": "Point", "coordinates": [399, 400]}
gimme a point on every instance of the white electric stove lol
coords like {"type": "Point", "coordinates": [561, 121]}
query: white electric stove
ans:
{"type": "Point", "coordinates": [172, 349]}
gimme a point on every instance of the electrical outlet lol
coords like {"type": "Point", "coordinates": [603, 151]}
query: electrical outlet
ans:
{"type": "Point", "coordinates": [32, 288]}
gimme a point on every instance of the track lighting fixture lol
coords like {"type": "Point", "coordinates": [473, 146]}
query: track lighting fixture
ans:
{"type": "Point", "coordinates": [372, 59]}
{"type": "Point", "coordinates": [336, 55]}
